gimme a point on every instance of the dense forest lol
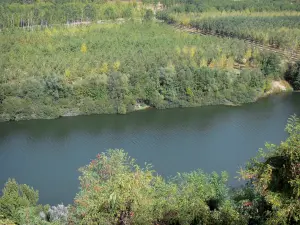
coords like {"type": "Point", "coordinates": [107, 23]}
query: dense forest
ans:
{"type": "Point", "coordinates": [109, 68]}
{"type": "Point", "coordinates": [115, 190]}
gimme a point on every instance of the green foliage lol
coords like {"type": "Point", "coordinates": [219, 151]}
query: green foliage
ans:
{"type": "Point", "coordinates": [115, 190]}
{"type": "Point", "coordinates": [56, 86]}
{"type": "Point", "coordinates": [148, 15]}
{"type": "Point", "coordinates": [107, 68]}
{"type": "Point", "coordinates": [270, 65]}
{"type": "Point", "coordinates": [277, 29]}
{"type": "Point", "coordinates": [275, 176]}
{"type": "Point", "coordinates": [6, 221]}
{"type": "Point", "coordinates": [292, 75]}
{"type": "Point", "coordinates": [50, 13]}
{"type": "Point", "coordinates": [30, 215]}
{"type": "Point", "coordinates": [16, 197]}
{"type": "Point", "coordinates": [230, 5]}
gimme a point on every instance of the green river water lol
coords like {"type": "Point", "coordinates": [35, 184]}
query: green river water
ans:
{"type": "Point", "coordinates": [46, 154]}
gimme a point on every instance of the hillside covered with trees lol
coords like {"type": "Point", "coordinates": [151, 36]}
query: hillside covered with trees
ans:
{"type": "Point", "coordinates": [49, 69]}
{"type": "Point", "coordinates": [109, 68]}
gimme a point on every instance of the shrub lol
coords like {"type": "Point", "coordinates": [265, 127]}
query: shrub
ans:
{"type": "Point", "coordinates": [16, 197]}
{"type": "Point", "coordinates": [148, 15]}
{"type": "Point", "coordinates": [275, 175]}
{"type": "Point", "coordinates": [115, 190]}
{"type": "Point", "coordinates": [56, 86]}
{"type": "Point", "coordinates": [292, 75]}
{"type": "Point", "coordinates": [270, 65]}
{"type": "Point", "coordinates": [58, 213]}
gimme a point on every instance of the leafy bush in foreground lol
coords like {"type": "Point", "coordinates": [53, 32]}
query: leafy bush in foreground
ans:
{"type": "Point", "coordinates": [275, 176]}
{"type": "Point", "coordinates": [15, 197]}
{"type": "Point", "coordinates": [115, 190]}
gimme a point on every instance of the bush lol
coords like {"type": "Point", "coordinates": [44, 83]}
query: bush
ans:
{"type": "Point", "coordinates": [115, 190]}
{"type": "Point", "coordinates": [56, 86]}
{"type": "Point", "coordinates": [15, 198]}
{"type": "Point", "coordinates": [292, 75]}
{"type": "Point", "coordinates": [148, 15]}
{"type": "Point", "coordinates": [275, 175]}
{"type": "Point", "coordinates": [58, 213]}
{"type": "Point", "coordinates": [270, 65]}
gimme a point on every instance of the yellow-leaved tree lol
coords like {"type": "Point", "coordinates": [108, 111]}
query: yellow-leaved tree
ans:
{"type": "Point", "coordinates": [104, 68]}
{"type": "Point", "coordinates": [83, 48]}
{"type": "Point", "coordinates": [116, 65]}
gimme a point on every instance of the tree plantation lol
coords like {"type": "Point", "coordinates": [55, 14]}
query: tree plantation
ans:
{"type": "Point", "coordinates": [280, 30]}
{"type": "Point", "coordinates": [230, 5]}
{"type": "Point", "coordinates": [109, 68]}
{"type": "Point", "coordinates": [49, 14]}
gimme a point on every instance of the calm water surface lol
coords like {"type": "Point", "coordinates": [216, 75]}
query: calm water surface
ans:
{"type": "Point", "coordinates": [46, 154]}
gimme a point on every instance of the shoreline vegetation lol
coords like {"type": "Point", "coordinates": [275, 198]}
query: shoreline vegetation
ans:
{"type": "Point", "coordinates": [139, 62]}
{"type": "Point", "coordinates": [276, 89]}
{"type": "Point", "coordinates": [115, 190]}
{"type": "Point", "coordinates": [152, 65]}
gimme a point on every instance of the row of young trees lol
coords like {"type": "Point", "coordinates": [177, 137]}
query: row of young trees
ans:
{"type": "Point", "coordinates": [279, 31]}
{"type": "Point", "coordinates": [108, 68]}
{"type": "Point", "coordinates": [19, 15]}
{"type": "Point", "coordinates": [49, 1]}
{"type": "Point", "coordinates": [282, 31]}
{"type": "Point", "coordinates": [115, 190]}
{"type": "Point", "coordinates": [229, 5]}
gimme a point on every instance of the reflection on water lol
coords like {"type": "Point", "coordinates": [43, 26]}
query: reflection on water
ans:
{"type": "Point", "coordinates": [47, 153]}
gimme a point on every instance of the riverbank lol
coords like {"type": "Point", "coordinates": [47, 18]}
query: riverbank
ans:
{"type": "Point", "coordinates": [86, 73]}
{"type": "Point", "coordinates": [276, 88]}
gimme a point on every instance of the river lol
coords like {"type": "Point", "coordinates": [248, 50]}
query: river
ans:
{"type": "Point", "coordinates": [46, 154]}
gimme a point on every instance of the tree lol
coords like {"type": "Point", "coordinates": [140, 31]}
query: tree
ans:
{"type": "Point", "coordinates": [110, 13]}
{"type": "Point", "coordinates": [115, 190]}
{"type": "Point", "coordinates": [275, 176]}
{"type": "Point", "coordinates": [16, 197]}
{"type": "Point", "coordinates": [292, 75]}
{"type": "Point", "coordinates": [270, 64]}
{"type": "Point", "coordinates": [83, 48]}
{"type": "Point", "coordinates": [148, 15]}
{"type": "Point", "coordinates": [119, 90]}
